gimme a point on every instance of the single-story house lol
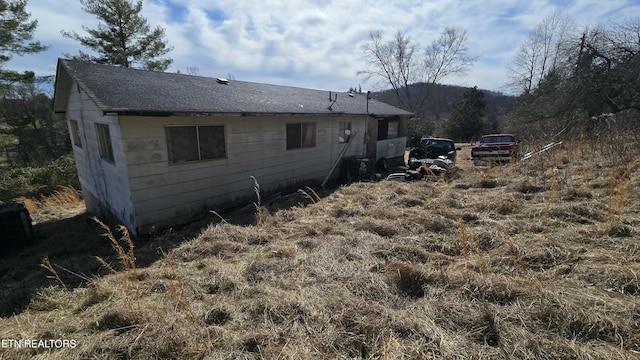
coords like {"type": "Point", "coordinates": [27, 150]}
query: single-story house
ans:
{"type": "Point", "coordinates": [153, 149]}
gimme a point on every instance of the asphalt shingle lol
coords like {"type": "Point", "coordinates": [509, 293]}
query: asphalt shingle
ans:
{"type": "Point", "coordinates": [125, 90]}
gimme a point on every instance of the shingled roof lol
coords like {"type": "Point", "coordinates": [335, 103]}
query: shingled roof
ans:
{"type": "Point", "coordinates": [132, 91]}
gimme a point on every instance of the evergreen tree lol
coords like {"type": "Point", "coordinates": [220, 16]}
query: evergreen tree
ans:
{"type": "Point", "coordinates": [25, 113]}
{"type": "Point", "coordinates": [123, 37]}
{"type": "Point", "coordinates": [466, 122]}
{"type": "Point", "coordinates": [16, 32]}
{"type": "Point", "coordinates": [32, 135]}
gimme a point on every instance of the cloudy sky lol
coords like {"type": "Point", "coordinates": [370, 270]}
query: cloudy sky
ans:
{"type": "Point", "coordinates": [317, 43]}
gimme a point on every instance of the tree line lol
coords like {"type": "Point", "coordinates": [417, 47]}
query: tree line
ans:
{"type": "Point", "coordinates": [566, 75]}
{"type": "Point", "coordinates": [560, 74]}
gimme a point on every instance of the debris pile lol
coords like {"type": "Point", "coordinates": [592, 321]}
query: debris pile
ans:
{"type": "Point", "coordinates": [427, 169]}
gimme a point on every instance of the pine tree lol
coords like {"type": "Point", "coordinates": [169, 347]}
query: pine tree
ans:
{"type": "Point", "coordinates": [22, 108]}
{"type": "Point", "coordinates": [16, 32]}
{"type": "Point", "coordinates": [466, 122]}
{"type": "Point", "coordinates": [123, 37]}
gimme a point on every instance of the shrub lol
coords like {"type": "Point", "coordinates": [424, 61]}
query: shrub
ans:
{"type": "Point", "coordinates": [38, 181]}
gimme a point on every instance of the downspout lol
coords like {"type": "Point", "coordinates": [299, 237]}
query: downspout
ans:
{"type": "Point", "coordinates": [366, 126]}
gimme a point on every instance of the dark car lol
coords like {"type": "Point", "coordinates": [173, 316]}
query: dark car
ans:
{"type": "Point", "coordinates": [432, 148]}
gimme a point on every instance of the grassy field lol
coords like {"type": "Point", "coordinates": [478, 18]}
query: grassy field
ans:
{"type": "Point", "coordinates": [534, 260]}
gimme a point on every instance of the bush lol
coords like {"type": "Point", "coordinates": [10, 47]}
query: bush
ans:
{"type": "Point", "coordinates": [38, 181]}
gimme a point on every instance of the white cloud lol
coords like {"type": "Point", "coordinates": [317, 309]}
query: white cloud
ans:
{"type": "Point", "coordinates": [318, 44]}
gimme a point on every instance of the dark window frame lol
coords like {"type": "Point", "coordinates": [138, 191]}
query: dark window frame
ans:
{"type": "Point", "coordinates": [301, 135]}
{"type": "Point", "coordinates": [75, 133]}
{"type": "Point", "coordinates": [105, 145]}
{"type": "Point", "coordinates": [344, 132]}
{"type": "Point", "coordinates": [388, 128]}
{"type": "Point", "coordinates": [197, 145]}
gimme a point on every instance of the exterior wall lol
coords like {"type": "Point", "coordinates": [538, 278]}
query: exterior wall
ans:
{"type": "Point", "coordinates": [104, 184]}
{"type": "Point", "coordinates": [164, 193]}
{"type": "Point", "coordinates": [391, 148]}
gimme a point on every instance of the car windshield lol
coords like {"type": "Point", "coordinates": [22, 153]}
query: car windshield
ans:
{"type": "Point", "coordinates": [442, 144]}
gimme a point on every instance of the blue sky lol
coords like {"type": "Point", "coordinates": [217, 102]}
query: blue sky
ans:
{"type": "Point", "coordinates": [317, 44]}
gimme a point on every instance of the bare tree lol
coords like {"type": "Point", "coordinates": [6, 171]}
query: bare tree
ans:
{"type": "Point", "coordinates": [393, 63]}
{"type": "Point", "coordinates": [542, 52]}
{"type": "Point", "coordinates": [606, 76]}
{"type": "Point", "coordinates": [397, 64]}
{"type": "Point", "coordinates": [447, 56]}
{"type": "Point", "coordinates": [193, 70]}
{"type": "Point", "coordinates": [581, 76]}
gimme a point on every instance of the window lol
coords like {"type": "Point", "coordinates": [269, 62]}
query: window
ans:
{"type": "Point", "coordinates": [388, 128]}
{"type": "Point", "coordinates": [75, 133]}
{"type": "Point", "coordinates": [193, 143]}
{"type": "Point", "coordinates": [345, 132]}
{"type": "Point", "coordinates": [301, 135]}
{"type": "Point", "coordinates": [392, 131]}
{"type": "Point", "coordinates": [104, 142]}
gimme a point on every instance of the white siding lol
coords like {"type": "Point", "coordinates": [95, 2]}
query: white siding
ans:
{"type": "Point", "coordinates": [391, 148]}
{"type": "Point", "coordinates": [164, 193]}
{"type": "Point", "coordinates": [104, 184]}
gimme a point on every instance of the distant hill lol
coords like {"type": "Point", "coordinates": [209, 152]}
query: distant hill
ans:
{"type": "Point", "coordinates": [443, 98]}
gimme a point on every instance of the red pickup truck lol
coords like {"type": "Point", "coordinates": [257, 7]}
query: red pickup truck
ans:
{"type": "Point", "coordinates": [495, 148]}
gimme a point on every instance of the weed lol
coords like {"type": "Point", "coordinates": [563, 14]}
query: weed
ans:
{"type": "Point", "coordinates": [619, 188]}
{"type": "Point", "coordinates": [66, 195]}
{"type": "Point", "coordinates": [464, 240]}
{"type": "Point", "coordinates": [551, 197]}
{"type": "Point", "coordinates": [182, 300]}
{"type": "Point", "coordinates": [45, 263]}
{"type": "Point", "coordinates": [313, 197]}
{"type": "Point", "coordinates": [261, 212]}
{"type": "Point", "coordinates": [127, 261]}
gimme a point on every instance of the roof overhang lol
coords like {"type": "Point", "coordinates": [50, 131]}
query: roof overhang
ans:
{"type": "Point", "coordinates": [62, 89]}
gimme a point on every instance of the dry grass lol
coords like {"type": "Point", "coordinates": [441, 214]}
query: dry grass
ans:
{"type": "Point", "coordinates": [534, 260]}
{"type": "Point", "coordinates": [66, 195]}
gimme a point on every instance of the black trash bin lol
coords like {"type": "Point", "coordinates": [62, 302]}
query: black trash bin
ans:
{"type": "Point", "coordinates": [16, 229]}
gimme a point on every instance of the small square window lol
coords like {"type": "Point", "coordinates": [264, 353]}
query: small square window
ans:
{"type": "Point", "coordinates": [301, 135]}
{"type": "Point", "coordinates": [182, 143]}
{"type": "Point", "coordinates": [388, 128]}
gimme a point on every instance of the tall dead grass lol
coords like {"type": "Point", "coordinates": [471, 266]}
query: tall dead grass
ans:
{"type": "Point", "coordinates": [66, 195]}
{"type": "Point", "coordinates": [388, 270]}
{"type": "Point", "coordinates": [127, 259]}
